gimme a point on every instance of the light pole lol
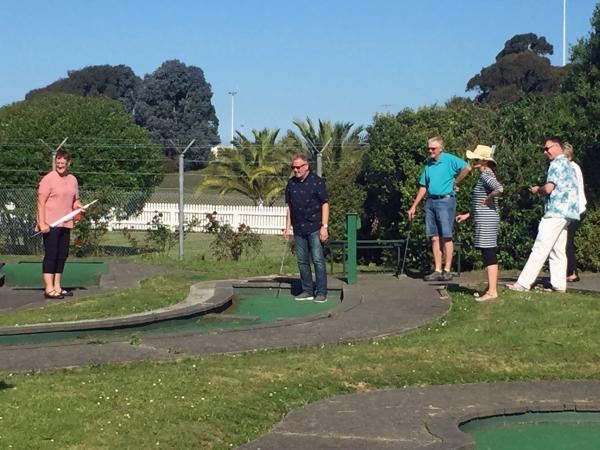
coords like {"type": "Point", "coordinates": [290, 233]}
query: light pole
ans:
{"type": "Point", "coordinates": [564, 36]}
{"type": "Point", "coordinates": [232, 93]}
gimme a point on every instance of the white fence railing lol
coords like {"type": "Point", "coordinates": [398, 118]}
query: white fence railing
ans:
{"type": "Point", "coordinates": [261, 219]}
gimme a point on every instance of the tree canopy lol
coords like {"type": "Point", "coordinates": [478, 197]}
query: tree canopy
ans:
{"type": "Point", "coordinates": [116, 82]}
{"type": "Point", "coordinates": [174, 103]}
{"type": "Point", "coordinates": [107, 148]}
{"type": "Point", "coordinates": [520, 68]}
{"type": "Point", "coordinates": [257, 169]}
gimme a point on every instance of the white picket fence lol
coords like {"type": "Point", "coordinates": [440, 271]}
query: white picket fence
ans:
{"type": "Point", "coordinates": [261, 219]}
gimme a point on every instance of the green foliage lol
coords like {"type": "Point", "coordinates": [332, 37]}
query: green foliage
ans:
{"type": "Point", "coordinates": [337, 141]}
{"type": "Point", "coordinates": [259, 170]}
{"type": "Point", "coordinates": [174, 103]}
{"type": "Point", "coordinates": [230, 244]}
{"type": "Point", "coordinates": [159, 237]}
{"type": "Point", "coordinates": [106, 147]}
{"type": "Point", "coordinates": [17, 219]}
{"type": "Point", "coordinates": [91, 228]}
{"type": "Point", "coordinates": [398, 151]}
{"type": "Point", "coordinates": [520, 68]}
{"type": "Point", "coordinates": [587, 243]}
{"type": "Point", "coordinates": [116, 82]}
{"type": "Point", "coordinates": [346, 195]}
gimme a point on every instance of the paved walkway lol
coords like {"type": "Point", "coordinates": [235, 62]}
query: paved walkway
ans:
{"type": "Point", "coordinates": [379, 305]}
{"type": "Point", "coordinates": [419, 418]}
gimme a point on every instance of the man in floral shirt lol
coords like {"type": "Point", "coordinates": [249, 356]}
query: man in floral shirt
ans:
{"type": "Point", "coordinates": [560, 190]}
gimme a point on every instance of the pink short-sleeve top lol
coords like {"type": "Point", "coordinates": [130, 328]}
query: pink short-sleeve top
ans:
{"type": "Point", "coordinates": [60, 193]}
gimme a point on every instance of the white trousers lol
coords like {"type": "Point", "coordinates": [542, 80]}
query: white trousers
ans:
{"type": "Point", "coordinates": [550, 242]}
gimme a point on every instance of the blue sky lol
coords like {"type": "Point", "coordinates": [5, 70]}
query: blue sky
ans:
{"type": "Point", "coordinates": [340, 60]}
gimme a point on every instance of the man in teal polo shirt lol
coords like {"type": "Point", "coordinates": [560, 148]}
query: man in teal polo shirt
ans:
{"type": "Point", "coordinates": [439, 182]}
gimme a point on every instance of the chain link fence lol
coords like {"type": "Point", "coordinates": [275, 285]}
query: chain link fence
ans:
{"type": "Point", "coordinates": [109, 224]}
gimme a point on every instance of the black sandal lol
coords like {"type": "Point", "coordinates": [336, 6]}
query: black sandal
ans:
{"type": "Point", "coordinates": [66, 293]}
{"type": "Point", "coordinates": [573, 280]}
{"type": "Point", "coordinates": [53, 297]}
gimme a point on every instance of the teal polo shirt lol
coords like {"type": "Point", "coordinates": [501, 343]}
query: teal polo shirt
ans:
{"type": "Point", "coordinates": [438, 176]}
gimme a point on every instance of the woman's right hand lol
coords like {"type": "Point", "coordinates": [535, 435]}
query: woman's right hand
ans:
{"type": "Point", "coordinates": [462, 217]}
{"type": "Point", "coordinates": [45, 228]}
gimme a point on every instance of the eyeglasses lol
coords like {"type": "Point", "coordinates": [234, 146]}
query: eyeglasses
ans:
{"type": "Point", "coordinates": [432, 148]}
{"type": "Point", "coordinates": [298, 167]}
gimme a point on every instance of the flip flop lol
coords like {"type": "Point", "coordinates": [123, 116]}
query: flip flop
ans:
{"type": "Point", "coordinates": [66, 293]}
{"type": "Point", "coordinates": [485, 297]}
{"type": "Point", "coordinates": [49, 295]}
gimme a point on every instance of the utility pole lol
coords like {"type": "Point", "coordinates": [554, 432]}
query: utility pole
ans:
{"type": "Point", "coordinates": [232, 93]}
{"type": "Point", "coordinates": [564, 36]}
{"type": "Point", "coordinates": [181, 205]}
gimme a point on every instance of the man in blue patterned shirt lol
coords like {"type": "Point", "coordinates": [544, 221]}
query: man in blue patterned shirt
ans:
{"type": "Point", "coordinates": [560, 191]}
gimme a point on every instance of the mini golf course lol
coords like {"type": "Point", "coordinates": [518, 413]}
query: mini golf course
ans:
{"type": "Point", "coordinates": [76, 274]}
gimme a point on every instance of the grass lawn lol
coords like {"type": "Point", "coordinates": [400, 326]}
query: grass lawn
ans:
{"type": "Point", "coordinates": [223, 401]}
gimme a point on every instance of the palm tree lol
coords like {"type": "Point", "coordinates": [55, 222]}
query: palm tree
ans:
{"type": "Point", "coordinates": [259, 170]}
{"type": "Point", "coordinates": [337, 142]}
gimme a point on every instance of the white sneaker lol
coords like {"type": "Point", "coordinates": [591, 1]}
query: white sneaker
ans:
{"type": "Point", "coordinates": [303, 296]}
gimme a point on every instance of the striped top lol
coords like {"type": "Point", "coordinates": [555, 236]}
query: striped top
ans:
{"type": "Point", "coordinates": [486, 218]}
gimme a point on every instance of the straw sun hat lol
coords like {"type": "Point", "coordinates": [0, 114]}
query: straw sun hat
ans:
{"type": "Point", "coordinates": [482, 152]}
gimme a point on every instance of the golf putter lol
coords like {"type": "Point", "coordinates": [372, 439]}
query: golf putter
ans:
{"type": "Point", "coordinates": [405, 247]}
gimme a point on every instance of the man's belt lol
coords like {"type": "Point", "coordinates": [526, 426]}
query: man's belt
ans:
{"type": "Point", "coordinates": [439, 197]}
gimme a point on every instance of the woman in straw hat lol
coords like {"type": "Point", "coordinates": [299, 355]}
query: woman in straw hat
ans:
{"type": "Point", "coordinates": [484, 209]}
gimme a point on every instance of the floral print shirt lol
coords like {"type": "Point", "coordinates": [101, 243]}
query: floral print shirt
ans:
{"type": "Point", "coordinates": [563, 200]}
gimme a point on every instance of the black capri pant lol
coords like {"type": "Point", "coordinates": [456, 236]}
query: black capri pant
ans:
{"type": "Point", "coordinates": [489, 256]}
{"type": "Point", "coordinates": [56, 249]}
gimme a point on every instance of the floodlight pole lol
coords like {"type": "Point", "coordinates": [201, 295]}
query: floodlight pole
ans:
{"type": "Point", "coordinates": [564, 36]}
{"type": "Point", "coordinates": [232, 93]}
{"type": "Point", "coordinates": [181, 205]}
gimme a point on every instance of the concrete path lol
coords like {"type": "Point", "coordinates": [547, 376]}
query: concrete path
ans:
{"type": "Point", "coordinates": [419, 418]}
{"type": "Point", "coordinates": [379, 305]}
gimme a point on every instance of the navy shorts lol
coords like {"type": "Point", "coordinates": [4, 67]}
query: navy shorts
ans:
{"type": "Point", "coordinates": [439, 217]}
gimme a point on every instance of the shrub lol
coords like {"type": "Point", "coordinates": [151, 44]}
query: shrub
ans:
{"type": "Point", "coordinates": [230, 244]}
{"type": "Point", "coordinates": [586, 241]}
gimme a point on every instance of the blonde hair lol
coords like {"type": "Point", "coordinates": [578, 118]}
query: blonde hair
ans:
{"type": "Point", "coordinates": [437, 139]}
{"type": "Point", "coordinates": [568, 150]}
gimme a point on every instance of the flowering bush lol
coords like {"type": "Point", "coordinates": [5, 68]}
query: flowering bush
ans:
{"type": "Point", "coordinates": [229, 243]}
{"type": "Point", "coordinates": [159, 237]}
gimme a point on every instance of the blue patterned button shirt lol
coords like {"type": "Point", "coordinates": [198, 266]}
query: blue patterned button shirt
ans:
{"type": "Point", "coordinates": [563, 200]}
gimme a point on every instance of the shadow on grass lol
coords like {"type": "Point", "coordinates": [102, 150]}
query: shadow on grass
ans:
{"type": "Point", "coordinates": [4, 385]}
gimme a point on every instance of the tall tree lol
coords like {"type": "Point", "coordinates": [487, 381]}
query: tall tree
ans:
{"type": "Point", "coordinates": [108, 149]}
{"type": "Point", "coordinates": [257, 169]}
{"type": "Point", "coordinates": [520, 68]}
{"type": "Point", "coordinates": [583, 90]}
{"type": "Point", "coordinates": [116, 82]}
{"type": "Point", "coordinates": [338, 142]}
{"type": "Point", "coordinates": [174, 103]}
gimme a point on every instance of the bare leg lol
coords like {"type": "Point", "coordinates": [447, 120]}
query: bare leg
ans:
{"type": "Point", "coordinates": [48, 282]}
{"type": "Point", "coordinates": [57, 286]}
{"type": "Point", "coordinates": [449, 252]}
{"type": "Point", "coordinates": [492, 275]}
{"type": "Point", "coordinates": [437, 253]}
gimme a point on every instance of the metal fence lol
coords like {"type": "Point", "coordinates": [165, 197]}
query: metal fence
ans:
{"type": "Point", "coordinates": [133, 210]}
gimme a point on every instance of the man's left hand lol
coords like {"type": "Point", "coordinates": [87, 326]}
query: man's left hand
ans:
{"type": "Point", "coordinates": [323, 234]}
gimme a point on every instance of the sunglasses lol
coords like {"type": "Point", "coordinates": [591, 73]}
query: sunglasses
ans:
{"type": "Point", "coordinates": [298, 167]}
{"type": "Point", "coordinates": [545, 149]}
{"type": "Point", "coordinates": [432, 148]}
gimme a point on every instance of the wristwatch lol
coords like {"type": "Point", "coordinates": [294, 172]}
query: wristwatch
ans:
{"type": "Point", "coordinates": [324, 225]}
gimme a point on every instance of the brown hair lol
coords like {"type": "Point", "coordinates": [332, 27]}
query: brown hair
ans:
{"type": "Point", "coordinates": [60, 153]}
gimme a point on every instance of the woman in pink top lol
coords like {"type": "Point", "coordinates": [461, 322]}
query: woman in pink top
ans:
{"type": "Point", "coordinates": [58, 195]}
